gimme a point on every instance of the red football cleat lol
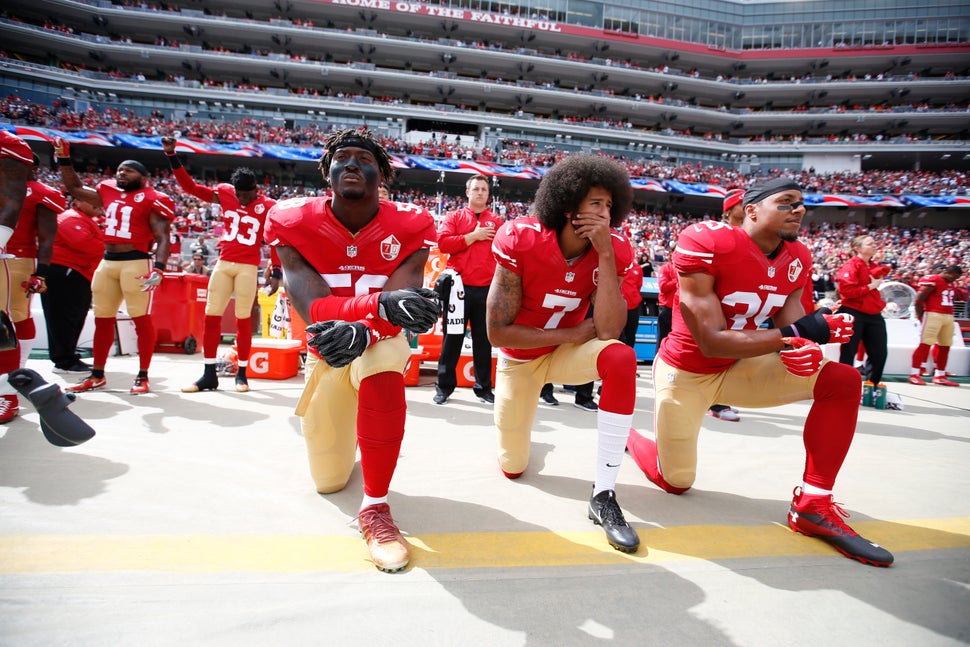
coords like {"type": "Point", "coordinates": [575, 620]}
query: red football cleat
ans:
{"type": "Point", "coordinates": [9, 407]}
{"type": "Point", "coordinates": [140, 385]}
{"type": "Point", "coordinates": [942, 381]}
{"type": "Point", "coordinates": [917, 380]}
{"type": "Point", "coordinates": [88, 384]}
{"type": "Point", "coordinates": [820, 516]}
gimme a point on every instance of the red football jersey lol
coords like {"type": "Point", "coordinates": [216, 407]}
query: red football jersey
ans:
{"type": "Point", "coordinates": [940, 299]}
{"type": "Point", "coordinates": [243, 226]}
{"type": "Point", "coordinates": [750, 286]}
{"type": "Point", "coordinates": [23, 241]}
{"type": "Point", "coordinates": [127, 215]}
{"type": "Point", "coordinates": [554, 294]}
{"type": "Point", "coordinates": [352, 265]}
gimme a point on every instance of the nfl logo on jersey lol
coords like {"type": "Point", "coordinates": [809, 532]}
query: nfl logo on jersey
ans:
{"type": "Point", "coordinates": [351, 251]}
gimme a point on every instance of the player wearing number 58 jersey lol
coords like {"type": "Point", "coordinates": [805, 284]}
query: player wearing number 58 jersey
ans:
{"type": "Point", "coordinates": [732, 279]}
{"type": "Point", "coordinates": [550, 269]}
{"type": "Point", "coordinates": [137, 223]}
{"type": "Point", "coordinates": [354, 265]}
{"type": "Point", "coordinates": [244, 210]}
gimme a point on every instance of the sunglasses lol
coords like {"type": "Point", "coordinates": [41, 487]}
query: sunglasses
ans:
{"type": "Point", "coordinates": [790, 207]}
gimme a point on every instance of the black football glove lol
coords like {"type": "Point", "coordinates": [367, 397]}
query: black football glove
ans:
{"type": "Point", "coordinates": [414, 309]}
{"type": "Point", "coordinates": [339, 342]}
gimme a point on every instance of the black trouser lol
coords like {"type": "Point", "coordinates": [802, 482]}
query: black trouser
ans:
{"type": "Point", "coordinates": [629, 334]}
{"type": "Point", "coordinates": [665, 321]}
{"type": "Point", "coordinates": [475, 297]}
{"type": "Point", "coordinates": [66, 304]}
{"type": "Point", "coordinates": [871, 331]}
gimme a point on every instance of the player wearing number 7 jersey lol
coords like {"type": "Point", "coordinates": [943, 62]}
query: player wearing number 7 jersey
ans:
{"type": "Point", "coordinates": [244, 210]}
{"type": "Point", "coordinates": [550, 268]}
{"type": "Point", "coordinates": [137, 218]}
{"type": "Point", "coordinates": [732, 280]}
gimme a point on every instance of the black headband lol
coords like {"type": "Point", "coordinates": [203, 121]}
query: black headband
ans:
{"type": "Point", "coordinates": [356, 142]}
{"type": "Point", "coordinates": [135, 164]}
{"type": "Point", "coordinates": [761, 191]}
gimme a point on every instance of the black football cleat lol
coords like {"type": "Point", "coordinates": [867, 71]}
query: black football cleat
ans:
{"type": "Point", "coordinates": [605, 511]}
{"type": "Point", "coordinates": [60, 426]}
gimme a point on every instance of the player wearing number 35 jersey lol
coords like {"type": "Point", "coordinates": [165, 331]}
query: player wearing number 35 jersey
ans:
{"type": "Point", "coordinates": [137, 219]}
{"type": "Point", "coordinates": [732, 280]}
{"type": "Point", "coordinates": [244, 210]}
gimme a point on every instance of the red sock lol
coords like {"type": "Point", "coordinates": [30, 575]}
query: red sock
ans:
{"type": "Point", "coordinates": [104, 335]}
{"type": "Point", "coordinates": [919, 356]}
{"type": "Point", "coordinates": [831, 422]}
{"type": "Point", "coordinates": [26, 328]}
{"type": "Point", "coordinates": [644, 453]}
{"type": "Point", "coordinates": [617, 367]}
{"type": "Point", "coordinates": [940, 356]}
{"type": "Point", "coordinates": [211, 335]}
{"type": "Point", "coordinates": [9, 360]}
{"type": "Point", "coordinates": [244, 337]}
{"type": "Point", "coordinates": [145, 331]}
{"type": "Point", "coordinates": [380, 428]}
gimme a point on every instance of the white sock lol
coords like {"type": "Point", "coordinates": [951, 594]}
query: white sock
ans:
{"type": "Point", "coordinates": [368, 501]}
{"type": "Point", "coordinates": [612, 432]}
{"type": "Point", "coordinates": [25, 346]}
{"type": "Point", "coordinates": [814, 491]}
{"type": "Point", "coordinates": [940, 373]}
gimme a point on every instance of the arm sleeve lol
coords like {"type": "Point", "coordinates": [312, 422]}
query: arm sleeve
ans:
{"type": "Point", "coordinates": [189, 186]}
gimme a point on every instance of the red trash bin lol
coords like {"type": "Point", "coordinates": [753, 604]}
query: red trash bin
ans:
{"type": "Point", "coordinates": [178, 312]}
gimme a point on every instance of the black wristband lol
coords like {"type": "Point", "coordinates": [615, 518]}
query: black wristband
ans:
{"type": "Point", "coordinates": [173, 160]}
{"type": "Point", "coordinates": [276, 273]}
{"type": "Point", "coordinates": [41, 269]}
{"type": "Point", "coordinates": [788, 331]}
{"type": "Point", "coordinates": [160, 266]}
{"type": "Point", "coordinates": [64, 161]}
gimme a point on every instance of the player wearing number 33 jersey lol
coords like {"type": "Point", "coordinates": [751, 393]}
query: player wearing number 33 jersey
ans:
{"type": "Point", "coordinates": [244, 210]}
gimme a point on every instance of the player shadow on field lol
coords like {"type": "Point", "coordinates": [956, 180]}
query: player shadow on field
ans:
{"type": "Point", "coordinates": [570, 604]}
{"type": "Point", "coordinates": [918, 591]}
{"type": "Point", "coordinates": [771, 423]}
{"type": "Point", "coordinates": [51, 475]}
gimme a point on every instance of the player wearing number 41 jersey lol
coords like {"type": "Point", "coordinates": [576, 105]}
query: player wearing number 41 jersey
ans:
{"type": "Point", "coordinates": [732, 280]}
{"type": "Point", "coordinates": [244, 210]}
{"type": "Point", "coordinates": [137, 221]}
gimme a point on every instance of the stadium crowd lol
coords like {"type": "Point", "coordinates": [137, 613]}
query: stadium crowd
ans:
{"type": "Point", "coordinates": [512, 152]}
{"type": "Point", "coordinates": [911, 251]}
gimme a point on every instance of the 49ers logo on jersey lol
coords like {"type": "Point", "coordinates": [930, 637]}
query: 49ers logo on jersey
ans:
{"type": "Point", "coordinates": [390, 248]}
{"type": "Point", "coordinates": [795, 270]}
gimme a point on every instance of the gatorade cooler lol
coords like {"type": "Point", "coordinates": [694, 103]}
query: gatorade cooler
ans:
{"type": "Point", "coordinates": [274, 359]}
{"type": "Point", "coordinates": [465, 370]}
{"type": "Point", "coordinates": [412, 371]}
{"type": "Point", "coordinates": [178, 311]}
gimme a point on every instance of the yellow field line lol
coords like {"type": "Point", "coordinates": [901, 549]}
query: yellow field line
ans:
{"type": "Point", "coordinates": [35, 554]}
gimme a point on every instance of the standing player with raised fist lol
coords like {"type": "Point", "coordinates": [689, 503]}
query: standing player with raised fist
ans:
{"type": "Point", "coordinates": [732, 279]}
{"type": "Point", "coordinates": [244, 209]}
{"type": "Point", "coordinates": [137, 222]}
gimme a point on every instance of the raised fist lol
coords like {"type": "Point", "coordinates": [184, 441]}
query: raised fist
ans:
{"type": "Point", "coordinates": [168, 144]}
{"type": "Point", "coordinates": [62, 149]}
{"type": "Point", "coordinates": [414, 309]}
